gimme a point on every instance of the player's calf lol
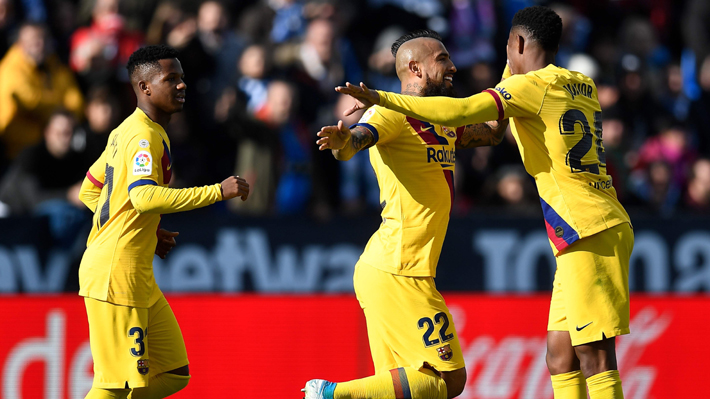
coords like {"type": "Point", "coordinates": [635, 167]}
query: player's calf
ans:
{"type": "Point", "coordinates": [403, 382]}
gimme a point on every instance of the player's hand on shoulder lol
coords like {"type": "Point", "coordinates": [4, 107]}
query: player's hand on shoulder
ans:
{"type": "Point", "coordinates": [235, 186]}
{"type": "Point", "coordinates": [166, 242]}
{"type": "Point", "coordinates": [365, 98]}
{"type": "Point", "coordinates": [333, 137]}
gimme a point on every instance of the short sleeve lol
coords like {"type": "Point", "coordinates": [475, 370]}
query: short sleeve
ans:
{"type": "Point", "coordinates": [142, 156]}
{"type": "Point", "coordinates": [518, 96]}
{"type": "Point", "coordinates": [384, 124]}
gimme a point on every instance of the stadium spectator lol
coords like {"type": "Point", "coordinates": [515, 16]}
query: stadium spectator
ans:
{"type": "Point", "coordinates": [254, 67]}
{"type": "Point", "coordinates": [289, 22]}
{"type": "Point", "coordinates": [46, 178]}
{"type": "Point", "coordinates": [381, 70]}
{"type": "Point", "coordinates": [101, 50]}
{"type": "Point", "coordinates": [615, 151]}
{"type": "Point", "coordinates": [657, 190]}
{"type": "Point", "coordinates": [696, 31]}
{"type": "Point", "coordinates": [33, 83]}
{"type": "Point", "coordinates": [294, 186]}
{"type": "Point", "coordinates": [7, 25]}
{"type": "Point", "coordinates": [167, 16]}
{"type": "Point", "coordinates": [358, 189]}
{"type": "Point", "coordinates": [219, 40]}
{"type": "Point", "coordinates": [697, 196]}
{"type": "Point", "coordinates": [102, 115]}
{"type": "Point", "coordinates": [514, 192]}
{"type": "Point", "coordinates": [322, 61]}
{"type": "Point", "coordinates": [473, 26]}
{"type": "Point", "coordinates": [309, 44]}
{"type": "Point", "coordinates": [670, 146]}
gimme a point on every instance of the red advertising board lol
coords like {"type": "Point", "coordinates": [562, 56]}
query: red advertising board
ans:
{"type": "Point", "coordinates": [251, 346]}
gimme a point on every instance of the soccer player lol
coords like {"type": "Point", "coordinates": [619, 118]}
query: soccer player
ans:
{"type": "Point", "coordinates": [412, 336]}
{"type": "Point", "coordinates": [557, 125]}
{"type": "Point", "coordinates": [135, 339]}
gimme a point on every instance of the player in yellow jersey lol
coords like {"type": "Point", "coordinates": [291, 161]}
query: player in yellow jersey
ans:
{"type": "Point", "coordinates": [136, 342]}
{"type": "Point", "coordinates": [557, 125]}
{"type": "Point", "coordinates": [412, 336]}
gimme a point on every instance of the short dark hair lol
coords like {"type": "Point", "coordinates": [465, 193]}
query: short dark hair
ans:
{"type": "Point", "coordinates": [413, 35]}
{"type": "Point", "coordinates": [148, 57]}
{"type": "Point", "coordinates": [542, 23]}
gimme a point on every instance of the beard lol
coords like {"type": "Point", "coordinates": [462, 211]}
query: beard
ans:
{"type": "Point", "coordinates": [438, 89]}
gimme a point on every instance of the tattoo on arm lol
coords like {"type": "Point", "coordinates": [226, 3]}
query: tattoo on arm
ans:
{"type": "Point", "coordinates": [483, 134]}
{"type": "Point", "coordinates": [360, 139]}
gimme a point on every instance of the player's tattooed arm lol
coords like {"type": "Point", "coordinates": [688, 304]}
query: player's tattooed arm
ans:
{"type": "Point", "coordinates": [483, 134]}
{"type": "Point", "coordinates": [344, 142]}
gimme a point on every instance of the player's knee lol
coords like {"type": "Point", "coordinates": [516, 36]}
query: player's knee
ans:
{"type": "Point", "coordinates": [558, 363]}
{"type": "Point", "coordinates": [455, 382]}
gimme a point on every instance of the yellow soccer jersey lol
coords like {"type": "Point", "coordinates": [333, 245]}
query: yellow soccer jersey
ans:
{"type": "Point", "coordinates": [414, 163]}
{"type": "Point", "coordinates": [556, 121]}
{"type": "Point", "coordinates": [117, 265]}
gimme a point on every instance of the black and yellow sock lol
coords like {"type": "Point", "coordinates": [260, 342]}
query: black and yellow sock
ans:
{"type": "Point", "coordinates": [400, 383]}
{"type": "Point", "coordinates": [606, 385]}
{"type": "Point", "coordinates": [161, 386]}
{"type": "Point", "coordinates": [570, 385]}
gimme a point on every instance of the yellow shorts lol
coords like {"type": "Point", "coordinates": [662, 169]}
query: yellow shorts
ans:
{"type": "Point", "coordinates": [408, 323]}
{"type": "Point", "coordinates": [125, 355]}
{"type": "Point", "coordinates": [590, 294]}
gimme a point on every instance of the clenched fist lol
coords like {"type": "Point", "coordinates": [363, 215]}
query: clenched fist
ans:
{"type": "Point", "coordinates": [235, 186]}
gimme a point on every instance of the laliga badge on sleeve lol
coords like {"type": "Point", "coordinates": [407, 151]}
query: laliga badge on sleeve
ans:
{"type": "Point", "coordinates": [142, 164]}
{"type": "Point", "coordinates": [367, 115]}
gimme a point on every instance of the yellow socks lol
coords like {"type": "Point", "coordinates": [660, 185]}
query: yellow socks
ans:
{"type": "Point", "coordinates": [606, 385]}
{"type": "Point", "coordinates": [98, 393]}
{"type": "Point", "coordinates": [569, 385]}
{"type": "Point", "coordinates": [161, 386]}
{"type": "Point", "coordinates": [400, 383]}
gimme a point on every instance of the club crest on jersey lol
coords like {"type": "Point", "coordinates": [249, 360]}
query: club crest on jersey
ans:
{"type": "Point", "coordinates": [445, 353]}
{"type": "Point", "coordinates": [448, 132]}
{"type": "Point", "coordinates": [142, 164]}
{"type": "Point", "coordinates": [143, 366]}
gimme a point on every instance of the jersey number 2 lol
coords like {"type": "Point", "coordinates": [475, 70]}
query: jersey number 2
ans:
{"type": "Point", "coordinates": [575, 155]}
{"type": "Point", "coordinates": [105, 209]}
{"type": "Point", "coordinates": [438, 318]}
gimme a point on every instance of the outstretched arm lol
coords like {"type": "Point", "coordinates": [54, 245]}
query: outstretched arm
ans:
{"type": "Point", "coordinates": [344, 142]}
{"type": "Point", "coordinates": [483, 134]}
{"type": "Point", "coordinates": [150, 198]}
{"type": "Point", "coordinates": [445, 111]}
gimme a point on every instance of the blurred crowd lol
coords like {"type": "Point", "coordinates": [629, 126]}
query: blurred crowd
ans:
{"type": "Point", "coordinates": [260, 77]}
